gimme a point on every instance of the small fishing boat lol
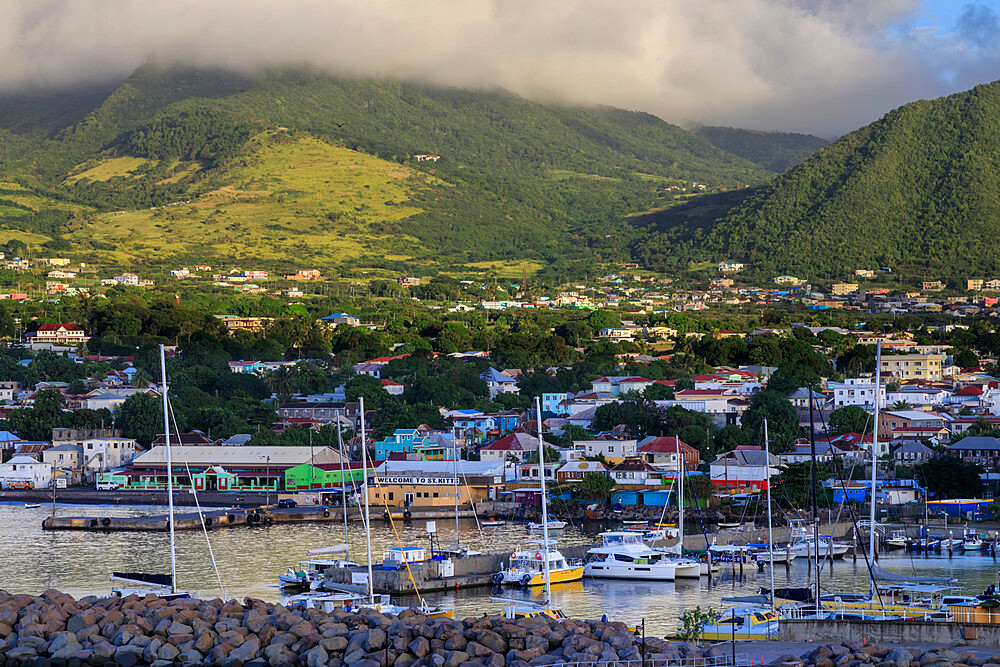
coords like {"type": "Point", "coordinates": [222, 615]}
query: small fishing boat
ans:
{"type": "Point", "coordinates": [554, 524]}
{"type": "Point", "coordinates": [311, 573]}
{"type": "Point", "coordinates": [492, 522]}
{"type": "Point", "coordinates": [763, 555]}
{"type": "Point", "coordinates": [642, 522]}
{"type": "Point", "coordinates": [950, 543]}
{"type": "Point", "coordinates": [897, 540]}
{"type": "Point", "coordinates": [728, 526]}
{"type": "Point", "coordinates": [31, 506]}
{"type": "Point", "coordinates": [971, 541]}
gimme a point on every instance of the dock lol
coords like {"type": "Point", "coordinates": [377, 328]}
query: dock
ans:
{"type": "Point", "coordinates": [230, 518]}
{"type": "Point", "coordinates": [472, 572]}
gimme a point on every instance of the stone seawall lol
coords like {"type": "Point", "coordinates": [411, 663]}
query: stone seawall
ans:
{"type": "Point", "coordinates": [55, 629]}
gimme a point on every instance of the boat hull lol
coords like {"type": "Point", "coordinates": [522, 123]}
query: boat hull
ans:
{"type": "Point", "coordinates": [613, 570]}
{"type": "Point", "coordinates": [558, 576]}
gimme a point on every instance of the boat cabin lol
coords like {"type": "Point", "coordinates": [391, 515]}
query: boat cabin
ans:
{"type": "Point", "coordinates": [396, 556]}
{"type": "Point", "coordinates": [534, 561]}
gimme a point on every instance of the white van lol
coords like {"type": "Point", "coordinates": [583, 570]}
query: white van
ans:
{"type": "Point", "coordinates": [107, 485]}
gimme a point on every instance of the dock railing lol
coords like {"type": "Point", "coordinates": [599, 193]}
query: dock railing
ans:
{"type": "Point", "coordinates": [741, 660]}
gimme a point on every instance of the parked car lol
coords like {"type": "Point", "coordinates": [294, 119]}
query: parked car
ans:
{"type": "Point", "coordinates": [287, 502]}
{"type": "Point", "coordinates": [107, 485]}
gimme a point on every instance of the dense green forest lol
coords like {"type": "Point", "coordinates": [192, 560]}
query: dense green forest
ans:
{"type": "Point", "coordinates": [918, 191]}
{"type": "Point", "coordinates": [515, 178]}
{"type": "Point", "coordinates": [774, 151]}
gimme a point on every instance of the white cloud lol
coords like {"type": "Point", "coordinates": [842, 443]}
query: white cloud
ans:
{"type": "Point", "coordinates": [823, 66]}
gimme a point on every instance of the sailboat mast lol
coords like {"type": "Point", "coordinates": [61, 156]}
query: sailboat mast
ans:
{"type": "Point", "coordinates": [770, 538]}
{"type": "Point", "coordinates": [368, 520]}
{"type": "Point", "coordinates": [815, 504]}
{"type": "Point", "coordinates": [680, 496]}
{"type": "Point", "coordinates": [545, 514]}
{"type": "Point", "coordinates": [454, 450]}
{"type": "Point", "coordinates": [170, 470]}
{"type": "Point", "coordinates": [343, 479]}
{"type": "Point", "coordinates": [878, 384]}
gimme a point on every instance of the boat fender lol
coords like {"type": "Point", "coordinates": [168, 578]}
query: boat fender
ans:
{"type": "Point", "coordinates": [385, 515]}
{"type": "Point", "coordinates": [268, 520]}
{"type": "Point", "coordinates": [256, 518]}
{"type": "Point", "coordinates": [249, 518]}
{"type": "Point", "coordinates": [232, 518]}
{"type": "Point", "coordinates": [93, 523]}
{"type": "Point", "coordinates": [538, 555]}
{"type": "Point", "coordinates": [498, 578]}
{"type": "Point", "coordinates": [406, 515]}
{"type": "Point", "coordinates": [105, 522]}
{"type": "Point", "coordinates": [326, 513]}
{"type": "Point", "coordinates": [526, 580]}
{"type": "Point", "coordinates": [208, 522]}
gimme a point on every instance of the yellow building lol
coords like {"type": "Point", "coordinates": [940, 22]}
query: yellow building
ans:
{"type": "Point", "coordinates": [429, 484]}
{"type": "Point", "coordinates": [841, 289]}
{"type": "Point", "coordinates": [974, 284]}
{"type": "Point", "coordinates": [913, 366]}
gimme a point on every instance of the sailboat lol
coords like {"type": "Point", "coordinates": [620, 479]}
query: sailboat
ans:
{"type": "Point", "coordinates": [383, 604]}
{"type": "Point", "coordinates": [524, 609]}
{"type": "Point", "coordinates": [141, 583]}
{"type": "Point", "coordinates": [684, 567]}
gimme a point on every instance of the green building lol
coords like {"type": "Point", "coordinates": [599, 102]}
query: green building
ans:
{"type": "Point", "coordinates": [323, 476]}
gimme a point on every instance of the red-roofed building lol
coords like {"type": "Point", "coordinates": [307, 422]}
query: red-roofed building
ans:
{"type": "Point", "coordinates": [393, 388]}
{"type": "Point", "coordinates": [519, 445]}
{"type": "Point", "coordinates": [57, 334]}
{"type": "Point", "coordinates": [663, 453]}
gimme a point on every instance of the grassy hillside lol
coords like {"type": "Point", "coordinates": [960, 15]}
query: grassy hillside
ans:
{"type": "Point", "coordinates": [290, 195]}
{"type": "Point", "coordinates": [918, 191]}
{"type": "Point", "coordinates": [774, 151]}
{"type": "Point", "coordinates": [326, 167]}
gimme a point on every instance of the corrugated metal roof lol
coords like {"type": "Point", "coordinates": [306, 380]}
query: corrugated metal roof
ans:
{"type": "Point", "coordinates": [207, 455]}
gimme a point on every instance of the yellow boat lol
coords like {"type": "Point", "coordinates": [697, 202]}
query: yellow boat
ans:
{"type": "Point", "coordinates": [741, 623]}
{"type": "Point", "coordinates": [527, 568]}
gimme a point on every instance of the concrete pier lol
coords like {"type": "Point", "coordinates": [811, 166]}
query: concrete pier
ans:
{"type": "Point", "coordinates": [227, 518]}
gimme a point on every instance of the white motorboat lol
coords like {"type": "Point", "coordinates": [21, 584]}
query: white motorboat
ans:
{"type": "Point", "coordinates": [554, 524]}
{"type": "Point", "coordinates": [896, 540]}
{"type": "Point", "coordinates": [806, 546]}
{"type": "Point", "coordinates": [624, 555]}
{"type": "Point", "coordinates": [950, 543]}
{"type": "Point", "coordinates": [971, 541]}
{"type": "Point", "coordinates": [777, 556]}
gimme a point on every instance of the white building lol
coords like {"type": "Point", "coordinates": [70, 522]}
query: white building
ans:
{"type": "Point", "coordinates": [610, 449]}
{"type": "Point", "coordinates": [102, 454]}
{"type": "Point", "coordinates": [127, 279]}
{"type": "Point", "coordinates": [499, 383]}
{"type": "Point", "coordinates": [857, 391]}
{"type": "Point", "coordinates": [25, 472]}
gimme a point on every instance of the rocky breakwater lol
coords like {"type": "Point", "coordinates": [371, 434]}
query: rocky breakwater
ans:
{"type": "Point", "coordinates": [855, 654]}
{"type": "Point", "coordinates": [54, 630]}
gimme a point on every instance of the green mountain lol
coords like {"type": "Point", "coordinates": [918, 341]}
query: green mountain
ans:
{"type": "Point", "coordinates": [774, 151]}
{"type": "Point", "coordinates": [917, 191]}
{"type": "Point", "coordinates": [294, 166]}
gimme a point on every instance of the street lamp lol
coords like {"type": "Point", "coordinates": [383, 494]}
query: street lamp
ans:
{"type": "Point", "coordinates": [267, 480]}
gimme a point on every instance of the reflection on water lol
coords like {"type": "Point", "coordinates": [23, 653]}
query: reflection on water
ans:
{"type": "Point", "coordinates": [250, 559]}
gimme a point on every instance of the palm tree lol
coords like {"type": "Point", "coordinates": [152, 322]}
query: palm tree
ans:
{"type": "Point", "coordinates": [901, 405]}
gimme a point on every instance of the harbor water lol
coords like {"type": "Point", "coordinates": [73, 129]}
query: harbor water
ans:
{"type": "Point", "coordinates": [250, 560]}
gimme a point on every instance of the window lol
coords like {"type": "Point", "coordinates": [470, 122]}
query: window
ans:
{"type": "Point", "coordinates": [435, 494]}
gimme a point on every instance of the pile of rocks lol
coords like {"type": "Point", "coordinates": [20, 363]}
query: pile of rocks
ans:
{"type": "Point", "coordinates": [55, 629]}
{"type": "Point", "coordinates": [853, 654]}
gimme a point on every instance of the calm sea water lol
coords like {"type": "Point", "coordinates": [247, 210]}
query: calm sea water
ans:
{"type": "Point", "coordinates": [250, 559]}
